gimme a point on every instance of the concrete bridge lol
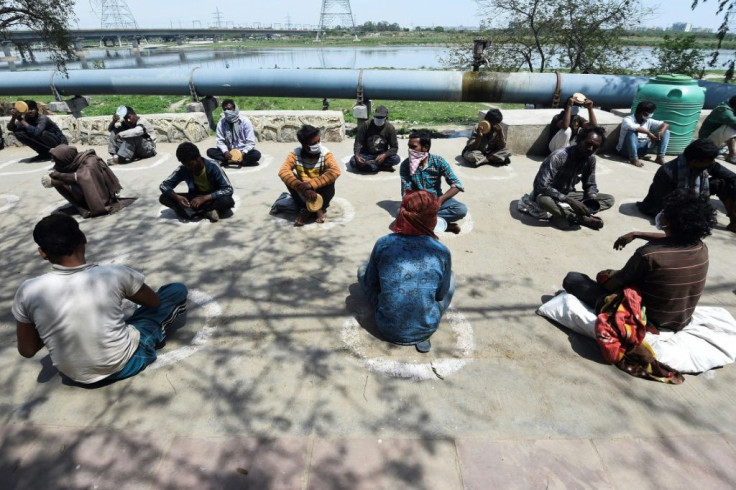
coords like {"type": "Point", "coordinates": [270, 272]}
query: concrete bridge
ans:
{"type": "Point", "coordinates": [27, 37]}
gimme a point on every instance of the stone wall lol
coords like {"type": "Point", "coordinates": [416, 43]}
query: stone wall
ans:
{"type": "Point", "coordinates": [92, 131]}
{"type": "Point", "coordinates": [282, 126]}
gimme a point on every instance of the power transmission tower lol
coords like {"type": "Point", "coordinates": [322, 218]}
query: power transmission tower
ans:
{"type": "Point", "coordinates": [335, 13]}
{"type": "Point", "coordinates": [115, 14]}
{"type": "Point", "coordinates": [218, 18]}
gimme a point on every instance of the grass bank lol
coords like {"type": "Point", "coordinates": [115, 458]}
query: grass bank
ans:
{"type": "Point", "coordinates": [405, 114]}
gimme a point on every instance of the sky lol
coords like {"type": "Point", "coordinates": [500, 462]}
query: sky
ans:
{"type": "Point", "coordinates": [407, 13]}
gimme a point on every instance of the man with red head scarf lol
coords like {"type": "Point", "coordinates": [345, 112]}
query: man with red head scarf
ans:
{"type": "Point", "coordinates": [408, 278]}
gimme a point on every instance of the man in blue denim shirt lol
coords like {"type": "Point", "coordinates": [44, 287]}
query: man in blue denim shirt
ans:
{"type": "Point", "coordinates": [209, 191]}
{"type": "Point", "coordinates": [424, 171]}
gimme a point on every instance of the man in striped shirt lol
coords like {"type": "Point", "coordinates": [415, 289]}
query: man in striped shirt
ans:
{"type": "Point", "coordinates": [669, 271]}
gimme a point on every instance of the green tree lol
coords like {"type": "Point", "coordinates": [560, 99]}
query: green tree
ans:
{"type": "Point", "coordinates": [679, 54]}
{"type": "Point", "coordinates": [541, 35]}
{"type": "Point", "coordinates": [725, 8]}
{"type": "Point", "coordinates": [47, 17]}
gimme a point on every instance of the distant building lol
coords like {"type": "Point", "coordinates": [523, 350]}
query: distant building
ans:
{"type": "Point", "coordinates": [682, 27]}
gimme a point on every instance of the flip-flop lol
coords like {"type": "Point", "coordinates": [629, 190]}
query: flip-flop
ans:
{"type": "Point", "coordinates": [301, 217]}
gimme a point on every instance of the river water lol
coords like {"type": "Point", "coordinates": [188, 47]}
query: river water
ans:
{"type": "Point", "coordinates": [352, 57]}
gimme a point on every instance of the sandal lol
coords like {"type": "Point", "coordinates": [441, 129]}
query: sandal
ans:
{"type": "Point", "coordinates": [301, 217]}
{"type": "Point", "coordinates": [321, 216]}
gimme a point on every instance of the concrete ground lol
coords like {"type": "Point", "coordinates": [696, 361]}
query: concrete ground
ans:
{"type": "Point", "coordinates": [274, 381]}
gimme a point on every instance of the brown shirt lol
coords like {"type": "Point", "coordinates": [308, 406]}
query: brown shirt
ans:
{"type": "Point", "coordinates": [670, 277]}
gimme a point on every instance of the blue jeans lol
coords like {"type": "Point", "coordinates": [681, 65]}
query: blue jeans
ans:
{"type": "Point", "coordinates": [391, 161]}
{"type": "Point", "coordinates": [152, 323]}
{"type": "Point", "coordinates": [452, 210]}
{"type": "Point", "coordinates": [634, 148]}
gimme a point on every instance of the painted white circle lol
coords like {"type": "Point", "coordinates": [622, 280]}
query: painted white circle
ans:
{"type": "Point", "coordinates": [346, 170]}
{"type": "Point", "coordinates": [212, 313]}
{"type": "Point", "coordinates": [10, 201]}
{"type": "Point", "coordinates": [45, 167]}
{"type": "Point", "coordinates": [265, 161]}
{"type": "Point", "coordinates": [55, 206]}
{"type": "Point", "coordinates": [168, 215]}
{"type": "Point", "coordinates": [466, 226]}
{"type": "Point", "coordinates": [345, 214]}
{"type": "Point", "coordinates": [9, 162]}
{"type": "Point", "coordinates": [133, 166]}
{"type": "Point", "coordinates": [486, 172]}
{"type": "Point", "coordinates": [355, 338]}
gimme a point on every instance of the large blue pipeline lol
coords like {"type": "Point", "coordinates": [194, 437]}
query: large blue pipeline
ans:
{"type": "Point", "coordinates": [527, 88]}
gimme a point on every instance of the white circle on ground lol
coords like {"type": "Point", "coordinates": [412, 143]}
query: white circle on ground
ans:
{"type": "Point", "coordinates": [9, 162]}
{"type": "Point", "coordinates": [345, 215]}
{"type": "Point", "coordinates": [265, 161]}
{"type": "Point", "coordinates": [354, 337]}
{"type": "Point", "coordinates": [8, 201]}
{"type": "Point", "coordinates": [24, 172]}
{"type": "Point", "coordinates": [369, 175]}
{"type": "Point", "coordinates": [57, 205]}
{"type": "Point", "coordinates": [486, 172]}
{"type": "Point", "coordinates": [168, 215]}
{"type": "Point", "coordinates": [132, 166]}
{"type": "Point", "coordinates": [212, 313]}
{"type": "Point", "coordinates": [466, 226]}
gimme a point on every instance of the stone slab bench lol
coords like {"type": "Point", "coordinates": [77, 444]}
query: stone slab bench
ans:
{"type": "Point", "coordinates": [170, 128]}
{"type": "Point", "coordinates": [527, 130]}
{"type": "Point", "coordinates": [281, 126]}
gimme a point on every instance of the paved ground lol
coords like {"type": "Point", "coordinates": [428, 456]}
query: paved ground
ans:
{"type": "Point", "coordinates": [275, 383]}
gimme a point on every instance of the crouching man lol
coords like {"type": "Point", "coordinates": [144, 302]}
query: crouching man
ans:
{"type": "Point", "coordinates": [76, 310]}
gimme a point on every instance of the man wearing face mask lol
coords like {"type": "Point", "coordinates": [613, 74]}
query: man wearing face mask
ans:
{"type": "Point", "coordinates": [310, 172]}
{"type": "Point", "coordinates": [236, 139]}
{"type": "Point", "coordinates": [487, 144]}
{"type": "Point", "coordinates": [640, 133]}
{"type": "Point", "coordinates": [554, 185]}
{"type": "Point", "coordinates": [376, 146]}
{"type": "Point", "coordinates": [425, 171]}
{"type": "Point", "coordinates": [131, 139]}
{"type": "Point", "coordinates": [697, 170]}
{"type": "Point", "coordinates": [35, 130]}
{"type": "Point", "coordinates": [565, 125]}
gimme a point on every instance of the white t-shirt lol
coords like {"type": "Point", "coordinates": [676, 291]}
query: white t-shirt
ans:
{"type": "Point", "coordinates": [629, 124]}
{"type": "Point", "coordinates": [78, 312]}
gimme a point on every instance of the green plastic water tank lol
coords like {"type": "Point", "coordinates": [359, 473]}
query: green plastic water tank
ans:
{"type": "Point", "coordinates": [679, 101]}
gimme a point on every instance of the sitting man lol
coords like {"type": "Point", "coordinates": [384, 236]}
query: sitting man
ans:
{"type": "Point", "coordinates": [640, 132]}
{"type": "Point", "coordinates": [669, 272]}
{"type": "Point", "coordinates": [408, 278]}
{"type": "Point", "coordinates": [76, 310]}
{"type": "Point", "coordinates": [209, 193]}
{"type": "Point", "coordinates": [376, 146]}
{"type": "Point", "coordinates": [236, 139]}
{"type": "Point", "coordinates": [35, 130]}
{"type": "Point", "coordinates": [310, 172]}
{"type": "Point", "coordinates": [424, 171]}
{"type": "Point", "coordinates": [697, 170]}
{"type": "Point", "coordinates": [85, 181]}
{"type": "Point", "coordinates": [554, 185]}
{"type": "Point", "coordinates": [565, 126]}
{"type": "Point", "coordinates": [487, 144]}
{"type": "Point", "coordinates": [720, 127]}
{"type": "Point", "coordinates": [131, 139]}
